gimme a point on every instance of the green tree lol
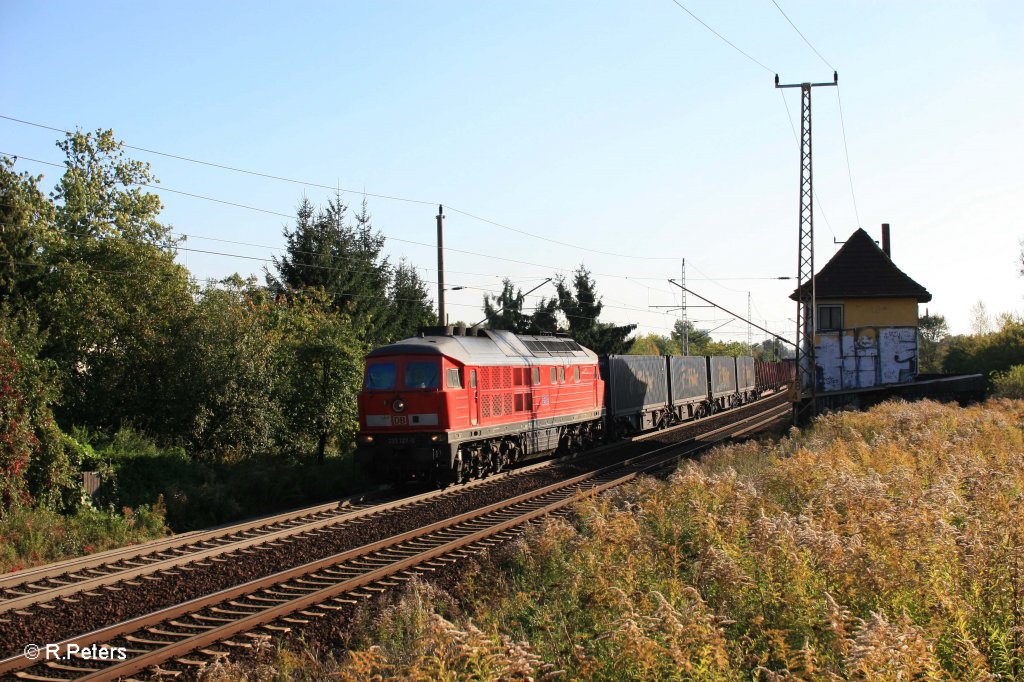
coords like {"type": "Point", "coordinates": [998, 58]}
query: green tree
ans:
{"type": "Point", "coordinates": [987, 353]}
{"type": "Point", "coordinates": [653, 344]}
{"type": "Point", "coordinates": [581, 306]}
{"type": "Point", "coordinates": [505, 311]}
{"type": "Point", "coordinates": [409, 304]}
{"type": "Point", "coordinates": [113, 300]}
{"type": "Point", "coordinates": [323, 360]}
{"type": "Point", "coordinates": [26, 215]}
{"type": "Point", "coordinates": [685, 333]}
{"type": "Point", "coordinates": [230, 374]}
{"type": "Point", "coordinates": [932, 332]}
{"type": "Point", "coordinates": [344, 257]}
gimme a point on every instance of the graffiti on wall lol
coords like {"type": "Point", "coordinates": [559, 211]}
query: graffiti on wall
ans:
{"type": "Point", "coordinates": [865, 357]}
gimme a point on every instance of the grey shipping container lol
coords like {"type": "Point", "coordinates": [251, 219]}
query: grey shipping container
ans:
{"type": "Point", "coordinates": [745, 374]}
{"type": "Point", "coordinates": [637, 383]}
{"type": "Point", "coordinates": [689, 379]}
{"type": "Point", "coordinates": [723, 376]}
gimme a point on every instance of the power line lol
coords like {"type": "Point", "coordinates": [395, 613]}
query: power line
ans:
{"type": "Point", "coordinates": [846, 148]}
{"type": "Point", "coordinates": [555, 241]}
{"type": "Point", "coordinates": [229, 168]}
{"type": "Point", "coordinates": [339, 189]}
{"type": "Point", "coordinates": [726, 40]}
{"type": "Point", "coordinates": [799, 33]}
{"type": "Point", "coordinates": [396, 239]}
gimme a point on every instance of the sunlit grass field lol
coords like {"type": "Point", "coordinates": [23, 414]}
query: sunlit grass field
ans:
{"type": "Point", "coordinates": [886, 545]}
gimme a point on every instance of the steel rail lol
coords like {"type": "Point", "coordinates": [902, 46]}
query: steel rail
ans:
{"type": "Point", "coordinates": [549, 498]}
{"type": "Point", "coordinates": [22, 589]}
{"type": "Point", "coordinates": [98, 570]}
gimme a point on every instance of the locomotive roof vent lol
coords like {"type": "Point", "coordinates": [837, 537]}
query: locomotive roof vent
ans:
{"type": "Point", "coordinates": [437, 331]}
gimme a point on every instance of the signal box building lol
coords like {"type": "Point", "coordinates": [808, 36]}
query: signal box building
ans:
{"type": "Point", "coordinates": [866, 318]}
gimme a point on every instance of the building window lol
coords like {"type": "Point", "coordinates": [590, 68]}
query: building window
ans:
{"type": "Point", "coordinates": [830, 317]}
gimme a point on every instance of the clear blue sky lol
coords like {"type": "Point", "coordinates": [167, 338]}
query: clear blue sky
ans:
{"type": "Point", "coordinates": [624, 126]}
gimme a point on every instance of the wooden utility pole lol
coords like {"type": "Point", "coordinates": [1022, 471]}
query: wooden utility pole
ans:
{"type": "Point", "coordinates": [442, 319]}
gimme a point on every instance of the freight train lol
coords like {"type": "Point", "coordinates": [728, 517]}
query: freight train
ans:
{"type": "Point", "coordinates": [457, 403]}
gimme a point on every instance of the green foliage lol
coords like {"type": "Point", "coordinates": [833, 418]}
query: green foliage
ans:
{"type": "Point", "coordinates": [409, 306]}
{"type": "Point", "coordinates": [1009, 384]}
{"type": "Point", "coordinates": [654, 344]}
{"type": "Point", "coordinates": [343, 257]}
{"type": "Point", "coordinates": [932, 333]}
{"type": "Point", "coordinates": [987, 353]}
{"type": "Point", "coordinates": [18, 442]}
{"type": "Point", "coordinates": [574, 310]}
{"type": "Point", "coordinates": [200, 494]}
{"type": "Point", "coordinates": [581, 306]}
{"type": "Point", "coordinates": [229, 373]}
{"type": "Point", "coordinates": [32, 535]}
{"type": "Point", "coordinates": [689, 338]}
{"type": "Point", "coordinates": [113, 300]}
{"type": "Point", "coordinates": [26, 216]}
{"type": "Point", "coordinates": [505, 311]}
{"type": "Point", "coordinates": [323, 360]}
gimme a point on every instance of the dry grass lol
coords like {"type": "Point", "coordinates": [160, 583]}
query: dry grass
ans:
{"type": "Point", "coordinates": [886, 545]}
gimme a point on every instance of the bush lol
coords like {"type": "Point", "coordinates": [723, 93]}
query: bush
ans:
{"type": "Point", "coordinates": [987, 353]}
{"type": "Point", "coordinates": [30, 536]}
{"type": "Point", "coordinates": [1009, 384]}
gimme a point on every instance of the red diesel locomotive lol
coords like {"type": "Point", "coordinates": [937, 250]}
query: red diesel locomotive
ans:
{"type": "Point", "coordinates": [455, 403]}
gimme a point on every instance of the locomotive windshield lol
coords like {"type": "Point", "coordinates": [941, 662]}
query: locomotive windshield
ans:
{"type": "Point", "coordinates": [381, 376]}
{"type": "Point", "coordinates": [422, 375]}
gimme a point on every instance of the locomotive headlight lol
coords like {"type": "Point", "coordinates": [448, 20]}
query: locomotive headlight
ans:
{"type": "Point", "coordinates": [435, 438]}
{"type": "Point", "coordinates": [398, 405]}
{"type": "Point", "coordinates": [366, 438]}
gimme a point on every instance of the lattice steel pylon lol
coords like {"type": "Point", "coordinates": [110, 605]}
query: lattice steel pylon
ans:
{"type": "Point", "coordinates": [806, 393]}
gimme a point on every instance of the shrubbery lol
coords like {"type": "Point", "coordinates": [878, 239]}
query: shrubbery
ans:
{"type": "Point", "coordinates": [987, 353]}
{"type": "Point", "coordinates": [32, 535]}
{"type": "Point", "coordinates": [1009, 384]}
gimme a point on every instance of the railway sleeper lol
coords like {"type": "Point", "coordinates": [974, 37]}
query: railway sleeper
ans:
{"type": "Point", "coordinates": [52, 665]}
{"type": "Point", "coordinates": [211, 619]}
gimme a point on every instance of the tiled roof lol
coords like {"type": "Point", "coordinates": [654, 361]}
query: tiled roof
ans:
{"type": "Point", "coordinates": [860, 269]}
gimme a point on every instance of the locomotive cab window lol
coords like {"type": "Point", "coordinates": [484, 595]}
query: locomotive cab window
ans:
{"type": "Point", "coordinates": [554, 375]}
{"type": "Point", "coordinates": [472, 378]}
{"type": "Point", "coordinates": [422, 375]}
{"type": "Point", "coordinates": [561, 375]}
{"type": "Point", "coordinates": [454, 378]}
{"type": "Point", "coordinates": [830, 317]}
{"type": "Point", "coordinates": [380, 376]}
{"type": "Point", "coordinates": [576, 374]}
{"type": "Point", "coordinates": [536, 376]}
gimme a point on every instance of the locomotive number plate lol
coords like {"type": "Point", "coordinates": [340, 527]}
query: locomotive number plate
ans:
{"type": "Point", "coordinates": [402, 440]}
{"type": "Point", "coordinates": [400, 420]}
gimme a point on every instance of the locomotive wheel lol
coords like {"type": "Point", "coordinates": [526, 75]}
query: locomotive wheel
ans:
{"type": "Point", "coordinates": [458, 471]}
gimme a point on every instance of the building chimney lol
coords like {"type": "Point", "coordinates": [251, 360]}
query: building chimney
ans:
{"type": "Point", "coordinates": [885, 240]}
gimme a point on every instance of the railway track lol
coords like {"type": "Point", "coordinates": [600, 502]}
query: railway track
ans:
{"type": "Point", "coordinates": [190, 634]}
{"type": "Point", "coordinates": [24, 589]}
